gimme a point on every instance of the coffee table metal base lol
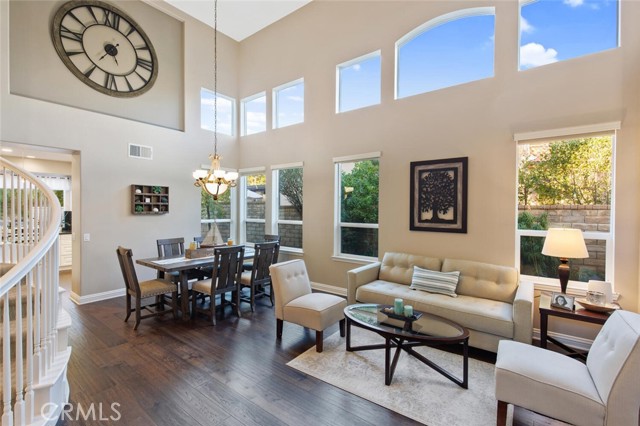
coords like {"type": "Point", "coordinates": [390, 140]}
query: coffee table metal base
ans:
{"type": "Point", "coordinates": [402, 344]}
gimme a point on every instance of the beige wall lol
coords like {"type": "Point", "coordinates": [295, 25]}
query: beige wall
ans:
{"type": "Point", "coordinates": [477, 120]}
{"type": "Point", "coordinates": [102, 171]}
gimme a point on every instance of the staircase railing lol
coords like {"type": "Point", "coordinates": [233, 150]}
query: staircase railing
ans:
{"type": "Point", "coordinates": [30, 214]}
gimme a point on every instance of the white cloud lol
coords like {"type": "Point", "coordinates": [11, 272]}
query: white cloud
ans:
{"type": "Point", "coordinates": [295, 98]}
{"type": "Point", "coordinates": [356, 67]}
{"type": "Point", "coordinates": [573, 3]}
{"type": "Point", "coordinates": [525, 26]}
{"type": "Point", "coordinates": [534, 54]}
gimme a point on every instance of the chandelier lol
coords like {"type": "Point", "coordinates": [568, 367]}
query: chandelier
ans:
{"type": "Point", "coordinates": [216, 181]}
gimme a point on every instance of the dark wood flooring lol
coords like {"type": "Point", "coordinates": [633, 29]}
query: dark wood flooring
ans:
{"type": "Point", "coordinates": [173, 373]}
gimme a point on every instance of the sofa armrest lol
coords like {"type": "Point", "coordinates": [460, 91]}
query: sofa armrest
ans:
{"type": "Point", "coordinates": [360, 276]}
{"type": "Point", "coordinates": [523, 313]}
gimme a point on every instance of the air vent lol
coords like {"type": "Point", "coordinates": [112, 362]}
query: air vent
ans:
{"type": "Point", "coordinates": [140, 151]}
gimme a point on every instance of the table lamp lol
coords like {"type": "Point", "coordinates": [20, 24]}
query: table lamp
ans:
{"type": "Point", "coordinates": [566, 244]}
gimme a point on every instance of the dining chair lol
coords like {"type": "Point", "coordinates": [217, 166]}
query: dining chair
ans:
{"type": "Point", "coordinates": [141, 290]}
{"type": "Point", "coordinates": [267, 238]}
{"type": "Point", "coordinates": [258, 278]}
{"type": "Point", "coordinates": [175, 247]}
{"type": "Point", "coordinates": [227, 270]}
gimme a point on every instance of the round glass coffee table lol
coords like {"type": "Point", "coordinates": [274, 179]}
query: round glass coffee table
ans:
{"type": "Point", "coordinates": [404, 334]}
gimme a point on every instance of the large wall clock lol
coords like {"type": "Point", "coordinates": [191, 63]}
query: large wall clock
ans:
{"type": "Point", "coordinates": [105, 48]}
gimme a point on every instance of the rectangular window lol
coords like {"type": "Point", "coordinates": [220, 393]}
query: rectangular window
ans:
{"type": "Point", "coordinates": [254, 114]}
{"type": "Point", "coordinates": [358, 83]}
{"type": "Point", "coordinates": [356, 206]}
{"type": "Point", "coordinates": [216, 224]}
{"type": "Point", "coordinates": [226, 112]}
{"type": "Point", "coordinates": [252, 202]}
{"type": "Point", "coordinates": [287, 204]}
{"type": "Point", "coordinates": [288, 104]}
{"type": "Point", "coordinates": [566, 183]}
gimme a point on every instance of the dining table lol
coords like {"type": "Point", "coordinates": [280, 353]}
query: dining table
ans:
{"type": "Point", "coordinates": [182, 265]}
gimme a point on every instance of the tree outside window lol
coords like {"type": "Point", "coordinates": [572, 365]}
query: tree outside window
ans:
{"type": "Point", "coordinates": [359, 207]}
{"type": "Point", "coordinates": [289, 206]}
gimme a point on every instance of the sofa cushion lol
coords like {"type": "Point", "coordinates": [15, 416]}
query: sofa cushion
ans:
{"type": "Point", "coordinates": [398, 267]}
{"type": "Point", "coordinates": [488, 316]}
{"type": "Point", "coordinates": [484, 280]}
{"type": "Point", "coordinates": [435, 281]}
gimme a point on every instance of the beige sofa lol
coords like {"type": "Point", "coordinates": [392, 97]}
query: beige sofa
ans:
{"type": "Point", "coordinates": [491, 301]}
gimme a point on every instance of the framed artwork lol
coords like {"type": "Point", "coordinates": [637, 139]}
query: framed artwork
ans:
{"type": "Point", "coordinates": [563, 301]}
{"type": "Point", "coordinates": [439, 195]}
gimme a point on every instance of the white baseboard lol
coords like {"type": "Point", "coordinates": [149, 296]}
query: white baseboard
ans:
{"type": "Point", "coordinates": [83, 300]}
{"type": "Point", "coordinates": [574, 342]}
{"type": "Point", "coordinates": [332, 289]}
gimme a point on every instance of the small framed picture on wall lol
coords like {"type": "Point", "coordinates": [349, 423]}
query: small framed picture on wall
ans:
{"type": "Point", "coordinates": [563, 301]}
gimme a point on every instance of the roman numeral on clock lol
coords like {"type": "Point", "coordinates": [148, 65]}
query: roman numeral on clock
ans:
{"type": "Point", "coordinates": [147, 65]}
{"type": "Point", "coordinates": [69, 34]}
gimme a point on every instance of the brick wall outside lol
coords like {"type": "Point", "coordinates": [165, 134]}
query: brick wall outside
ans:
{"type": "Point", "coordinates": [587, 218]}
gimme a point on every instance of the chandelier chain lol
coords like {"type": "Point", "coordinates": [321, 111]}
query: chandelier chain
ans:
{"type": "Point", "coordinates": [215, 76]}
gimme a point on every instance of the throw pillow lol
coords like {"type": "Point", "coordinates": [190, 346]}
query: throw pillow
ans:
{"type": "Point", "coordinates": [434, 281]}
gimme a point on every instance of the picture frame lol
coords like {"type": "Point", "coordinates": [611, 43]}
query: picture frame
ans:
{"type": "Point", "coordinates": [563, 301]}
{"type": "Point", "coordinates": [438, 195]}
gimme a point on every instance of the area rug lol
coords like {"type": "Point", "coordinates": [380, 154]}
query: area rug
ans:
{"type": "Point", "coordinates": [416, 391]}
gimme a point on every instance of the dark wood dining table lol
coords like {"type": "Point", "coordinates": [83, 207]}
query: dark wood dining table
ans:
{"type": "Point", "coordinates": [183, 265]}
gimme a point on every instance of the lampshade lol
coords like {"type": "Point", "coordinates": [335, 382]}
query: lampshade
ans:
{"type": "Point", "coordinates": [566, 243]}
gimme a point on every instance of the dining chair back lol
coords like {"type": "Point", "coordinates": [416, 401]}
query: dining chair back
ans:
{"type": "Point", "coordinates": [226, 273]}
{"type": "Point", "coordinates": [140, 290]}
{"type": "Point", "coordinates": [170, 247]}
{"type": "Point", "coordinates": [273, 237]}
{"type": "Point", "coordinates": [258, 278]}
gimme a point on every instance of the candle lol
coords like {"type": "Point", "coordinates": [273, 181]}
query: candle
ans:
{"type": "Point", "coordinates": [408, 311]}
{"type": "Point", "coordinates": [398, 307]}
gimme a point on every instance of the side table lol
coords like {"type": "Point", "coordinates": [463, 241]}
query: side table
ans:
{"type": "Point", "coordinates": [579, 314]}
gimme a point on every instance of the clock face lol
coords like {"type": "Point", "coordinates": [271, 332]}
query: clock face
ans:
{"type": "Point", "coordinates": [104, 48]}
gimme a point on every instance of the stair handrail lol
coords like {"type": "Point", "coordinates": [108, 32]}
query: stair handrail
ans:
{"type": "Point", "coordinates": [31, 259]}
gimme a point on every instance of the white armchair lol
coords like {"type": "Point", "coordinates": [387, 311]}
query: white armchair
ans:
{"type": "Point", "coordinates": [294, 301]}
{"type": "Point", "coordinates": [604, 392]}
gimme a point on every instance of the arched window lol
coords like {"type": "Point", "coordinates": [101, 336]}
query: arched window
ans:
{"type": "Point", "coordinates": [552, 31]}
{"type": "Point", "coordinates": [451, 49]}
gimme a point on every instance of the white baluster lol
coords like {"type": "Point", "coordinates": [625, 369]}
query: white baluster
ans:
{"type": "Point", "coordinates": [7, 414]}
{"type": "Point", "coordinates": [18, 408]}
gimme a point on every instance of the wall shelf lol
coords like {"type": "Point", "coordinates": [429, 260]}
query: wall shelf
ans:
{"type": "Point", "coordinates": [149, 199]}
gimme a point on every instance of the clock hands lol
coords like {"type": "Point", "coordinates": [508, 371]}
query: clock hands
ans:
{"type": "Point", "coordinates": [110, 50]}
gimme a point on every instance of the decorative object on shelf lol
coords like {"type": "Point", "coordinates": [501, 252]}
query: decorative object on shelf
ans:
{"type": "Point", "coordinates": [148, 199]}
{"type": "Point", "coordinates": [438, 200]}
{"type": "Point", "coordinates": [105, 48]}
{"type": "Point", "coordinates": [216, 181]}
{"type": "Point", "coordinates": [563, 301]}
{"type": "Point", "coordinates": [408, 311]}
{"type": "Point", "coordinates": [565, 243]}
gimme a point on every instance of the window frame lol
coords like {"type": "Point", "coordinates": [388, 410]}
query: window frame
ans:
{"type": "Point", "coordinates": [274, 102]}
{"type": "Point", "coordinates": [363, 58]}
{"type": "Point", "coordinates": [233, 112]}
{"type": "Point", "coordinates": [338, 224]}
{"type": "Point", "coordinates": [243, 113]}
{"type": "Point", "coordinates": [275, 204]}
{"type": "Point", "coordinates": [429, 25]}
{"type": "Point", "coordinates": [242, 189]}
{"type": "Point", "coordinates": [554, 135]}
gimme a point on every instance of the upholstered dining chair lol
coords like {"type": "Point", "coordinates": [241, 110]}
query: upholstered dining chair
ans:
{"type": "Point", "coordinates": [141, 290]}
{"type": "Point", "coordinates": [258, 278]}
{"type": "Point", "coordinates": [227, 269]}
{"type": "Point", "coordinates": [604, 392]}
{"type": "Point", "coordinates": [296, 303]}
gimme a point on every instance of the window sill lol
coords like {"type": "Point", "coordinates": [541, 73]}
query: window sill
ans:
{"type": "Point", "coordinates": [362, 260]}
{"type": "Point", "coordinates": [291, 250]}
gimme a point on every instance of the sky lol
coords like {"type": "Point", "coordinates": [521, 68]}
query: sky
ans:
{"type": "Point", "coordinates": [444, 55]}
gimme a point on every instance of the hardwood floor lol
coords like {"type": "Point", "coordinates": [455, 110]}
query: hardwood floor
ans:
{"type": "Point", "coordinates": [175, 373]}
